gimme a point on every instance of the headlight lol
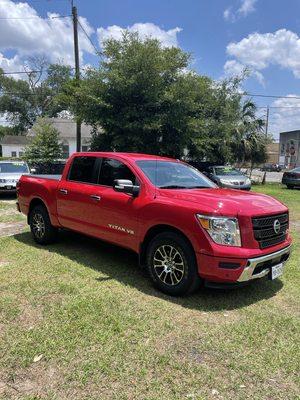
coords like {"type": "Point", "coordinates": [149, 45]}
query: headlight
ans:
{"type": "Point", "coordinates": [222, 230]}
{"type": "Point", "coordinates": [248, 181]}
{"type": "Point", "coordinates": [2, 180]}
{"type": "Point", "coordinates": [224, 181]}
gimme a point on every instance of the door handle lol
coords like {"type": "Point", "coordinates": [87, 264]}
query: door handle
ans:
{"type": "Point", "coordinates": [63, 191]}
{"type": "Point", "coordinates": [95, 197]}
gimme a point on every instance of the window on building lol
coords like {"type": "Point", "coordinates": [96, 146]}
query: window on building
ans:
{"type": "Point", "coordinates": [83, 169]}
{"type": "Point", "coordinates": [84, 148]}
{"type": "Point", "coordinates": [14, 154]}
{"type": "Point", "coordinates": [65, 151]}
{"type": "Point", "coordinates": [113, 169]}
{"type": "Point", "coordinates": [21, 154]}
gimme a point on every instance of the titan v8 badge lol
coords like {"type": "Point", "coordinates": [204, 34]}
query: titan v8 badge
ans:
{"type": "Point", "coordinates": [121, 228]}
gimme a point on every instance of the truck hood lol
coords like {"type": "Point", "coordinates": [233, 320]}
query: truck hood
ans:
{"type": "Point", "coordinates": [225, 201]}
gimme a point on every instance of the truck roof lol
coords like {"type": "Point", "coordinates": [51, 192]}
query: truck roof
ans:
{"type": "Point", "coordinates": [128, 156]}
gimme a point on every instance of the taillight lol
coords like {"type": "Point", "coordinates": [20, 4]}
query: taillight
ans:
{"type": "Point", "coordinates": [17, 187]}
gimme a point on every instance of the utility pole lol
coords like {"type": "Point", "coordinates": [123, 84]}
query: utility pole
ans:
{"type": "Point", "coordinates": [77, 70]}
{"type": "Point", "coordinates": [267, 120]}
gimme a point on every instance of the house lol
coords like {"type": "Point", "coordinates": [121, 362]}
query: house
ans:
{"type": "Point", "coordinates": [273, 153]}
{"type": "Point", "coordinates": [290, 148]}
{"type": "Point", "coordinates": [13, 146]}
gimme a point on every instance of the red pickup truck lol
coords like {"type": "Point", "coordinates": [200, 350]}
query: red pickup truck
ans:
{"type": "Point", "coordinates": [185, 229]}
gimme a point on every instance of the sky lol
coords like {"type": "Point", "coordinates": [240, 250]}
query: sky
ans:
{"type": "Point", "coordinates": [223, 36]}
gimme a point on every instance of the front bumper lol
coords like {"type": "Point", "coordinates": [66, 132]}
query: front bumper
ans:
{"type": "Point", "coordinates": [7, 186]}
{"type": "Point", "coordinates": [239, 270]}
{"type": "Point", "coordinates": [291, 181]}
{"type": "Point", "coordinates": [260, 266]}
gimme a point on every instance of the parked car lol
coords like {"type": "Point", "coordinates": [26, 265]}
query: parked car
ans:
{"type": "Point", "coordinates": [184, 228]}
{"type": "Point", "coordinates": [228, 177]}
{"type": "Point", "coordinates": [291, 178]}
{"type": "Point", "coordinates": [272, 167]}
{"type": "Point", "coordinates": [10, 173]}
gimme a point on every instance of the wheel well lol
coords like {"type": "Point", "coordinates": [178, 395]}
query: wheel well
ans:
{"type": "Point", "coordinates": [35, 202]}
{"type": "Point", "coordinates": [152, 232]}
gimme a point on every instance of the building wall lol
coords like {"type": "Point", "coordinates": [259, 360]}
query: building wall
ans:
{"type": "Point", "coordinates": [8, 150]}
{"type": "Point", "coordinates": [273, 153]}
{"type": "Point", "coordinates": [69, 148]}
{"type": "Point", "coordinates": [289, 153]}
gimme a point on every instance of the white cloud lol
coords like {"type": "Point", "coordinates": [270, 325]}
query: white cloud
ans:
{"type": "Point", "coordinates": [246, 7]}
{"type": "Point", "coordinates": [11, 64]}
{"type": "Point", "coordinates": [260, 50]}
{"type": "Point", "coordinates": [228, 14]}
{"type": "Point", "coordinates": [167, 38]}
{"type": "Point", "coordinates": [34, 35]}
{"type": "Point", "coordinates": [234, 68]}
{"type": "Point", "coordinates": [285, 117]}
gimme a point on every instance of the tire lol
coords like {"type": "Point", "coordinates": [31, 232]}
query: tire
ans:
{"type": "Point", "coordinates": [42, 230]}
{"type": "Point", "coordinates": [180, 275]}
{"type": "Point", "coordinates": [290, 186]}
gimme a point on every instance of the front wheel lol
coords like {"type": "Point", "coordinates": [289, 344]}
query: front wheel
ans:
{"type": "Point", "coordinates": [172, 264]}
{"type": "Point", "coordinates": [42, 230]}
{"type": "Point", "coordinates": [290, 186]}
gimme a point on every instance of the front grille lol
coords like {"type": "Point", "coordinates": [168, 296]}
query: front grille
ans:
{"type": "Point", "coordinates": [264, 232]}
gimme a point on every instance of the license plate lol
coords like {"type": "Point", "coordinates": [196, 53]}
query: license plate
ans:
{"type": "Point", "coordinates": [8, 187]}
{"type": "Point", "coordinates": [276, 271]}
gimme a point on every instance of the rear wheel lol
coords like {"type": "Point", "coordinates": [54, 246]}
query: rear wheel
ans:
{"type": "Point", "coordinates": [290, 186]}
{"type": "Point", "coordinates": [172, 264]}
{"type": "Point", "coordinates": [42, 230]}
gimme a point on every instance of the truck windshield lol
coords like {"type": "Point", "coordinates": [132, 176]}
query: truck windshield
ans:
{"type": "Point", "coordinates": [13, 167]}
{"type": "Point", "coordinates": [173, 175]}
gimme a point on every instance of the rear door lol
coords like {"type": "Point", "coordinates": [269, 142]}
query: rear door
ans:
{"type": "Point", "coordinates": [78, 194]}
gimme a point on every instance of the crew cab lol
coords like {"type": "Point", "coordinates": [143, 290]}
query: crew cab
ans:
{"type": "Point", "coordinates": [185, 229]}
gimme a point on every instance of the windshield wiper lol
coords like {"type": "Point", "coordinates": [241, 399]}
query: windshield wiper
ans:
{"type": "Point", "coordinates": [198, 187]}
{"type": "Point", "coordinates": [173, 187]}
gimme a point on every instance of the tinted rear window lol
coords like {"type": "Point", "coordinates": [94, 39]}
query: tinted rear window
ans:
{"type": "Point", "coordinates": [83, 170]}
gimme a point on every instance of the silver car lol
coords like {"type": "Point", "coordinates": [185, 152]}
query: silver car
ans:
{"type": "Point", "coordinates": [229, 177]}
{"type": "Point", "coordinates": [10, 173]}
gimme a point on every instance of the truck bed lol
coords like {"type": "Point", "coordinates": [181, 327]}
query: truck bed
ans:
{"type": "Point", "coordinates": [55, 177]}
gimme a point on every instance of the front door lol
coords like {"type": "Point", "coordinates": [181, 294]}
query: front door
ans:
{"type": "Point", "coordinates": [119, 211]}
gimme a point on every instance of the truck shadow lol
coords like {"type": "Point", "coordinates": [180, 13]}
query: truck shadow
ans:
{"type": "Point", "coordinates": [115, 263]}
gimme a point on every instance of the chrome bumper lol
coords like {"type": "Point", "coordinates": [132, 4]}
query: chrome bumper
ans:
{"type": "Point", "coordinates": [248, 273]}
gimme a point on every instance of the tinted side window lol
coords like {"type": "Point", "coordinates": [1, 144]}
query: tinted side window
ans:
{"type": "Point", "coordinates": [83, 170]}
{"type": "Point", "coordinates": [113, 169]}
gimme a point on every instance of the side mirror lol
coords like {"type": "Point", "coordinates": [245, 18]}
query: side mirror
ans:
{"type": "Point", "coordinates": [126, 186]}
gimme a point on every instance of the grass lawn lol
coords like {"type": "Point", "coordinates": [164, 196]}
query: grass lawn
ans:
{"type": "Point", "coordinates": [79, 320]}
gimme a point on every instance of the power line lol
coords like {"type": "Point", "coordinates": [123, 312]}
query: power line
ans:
{"type": "Point", "coordinates": [270, 96]}
{"type": "Point", "coordinates": [36, 71]}
{"type": "Point", "coordinates": [89, 38]}
{"type": "Point", "coordinates": [37, 17]}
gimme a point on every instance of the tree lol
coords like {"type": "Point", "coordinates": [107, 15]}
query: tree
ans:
{"type": "Point", "coordinates": [146, 98]}
{"type": "Point", "coordinates": [23, 101]}
{"type": "Point", "coordinates": [248, 141]}
{"type": "Point", "coordinates": [142, 96]}
{"type": "Point", "coordinates": [44, 147]}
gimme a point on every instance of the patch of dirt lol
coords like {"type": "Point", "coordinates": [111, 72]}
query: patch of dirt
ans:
{"type": "Point", "coordinates": [36, 381]}
{"type": "Point", "coordinates": [11, 228]}
{"type": "Point", "coordinates": [29, 316]}
{"type": "Point", "coordinates": [295, 225]}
